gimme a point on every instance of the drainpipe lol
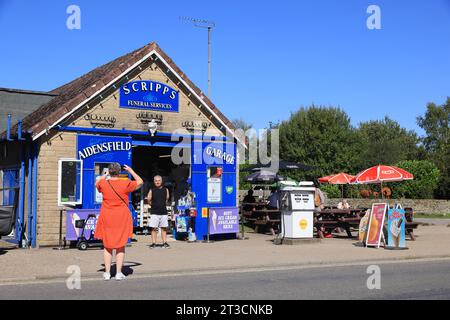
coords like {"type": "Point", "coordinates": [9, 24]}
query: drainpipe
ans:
{"type": "Point", "coordinates": [8, 128]}
{"type": "Point", "coordinates": [19, 222]}
{"type": "Point", "coordinates": [29, 189]}
{"type": "Point", "coordinates": [34, 196]}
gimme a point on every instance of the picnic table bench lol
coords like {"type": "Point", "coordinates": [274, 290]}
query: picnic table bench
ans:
{"type": "Point", "coordinates": [331, 219]}
{"type": "Point", "coordinates": [262, 217]}
{"type": "Point", "coordinates": [409, 228]}
{"type": "Point", "coordinates": [327, 219]}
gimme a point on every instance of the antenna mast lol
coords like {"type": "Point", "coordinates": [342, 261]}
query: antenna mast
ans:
{"type": "Point", "coordinates": [209, 25]}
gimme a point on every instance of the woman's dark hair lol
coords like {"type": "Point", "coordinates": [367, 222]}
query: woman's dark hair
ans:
{"type": "Point", "coordinates": [114, 169]}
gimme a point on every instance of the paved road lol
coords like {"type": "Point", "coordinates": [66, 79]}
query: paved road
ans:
{"type": "Point", "coordinates": [406, 280]}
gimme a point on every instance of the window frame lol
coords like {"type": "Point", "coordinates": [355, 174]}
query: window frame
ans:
{"type": "Point", "coordinates": [70, 203]}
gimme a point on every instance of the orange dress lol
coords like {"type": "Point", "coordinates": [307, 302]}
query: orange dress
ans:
{"type": "Point", "coordinates": [114, 225]}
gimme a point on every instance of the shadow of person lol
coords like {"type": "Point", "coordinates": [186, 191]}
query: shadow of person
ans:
{"type": "Point", "coordinates": [3, 251]}
{"type": "Point", "coordinates": [127, 268]}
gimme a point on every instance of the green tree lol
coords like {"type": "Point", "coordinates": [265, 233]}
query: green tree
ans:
{"type": "Point", "coordinates": [240, 123]}
{"type": "Point", "coordinates": [322, 137]}
{"type": "Point", "coordinates": [426, 180]}
{"type": "Point", "coordinates": [385, 141]}
{"type": "Point", "coordinates": [333, 191]}
{"type": "Point", "coordinates": [436, 141]}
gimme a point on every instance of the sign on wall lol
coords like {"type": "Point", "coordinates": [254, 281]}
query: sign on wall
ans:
{"type": "Point", "coordinates": [214, 189]}
{"type": "Point", "coordinates": [97, 152]}
{"type": "Point", "coordinates": [223, 220]}
{"type": "Point", "coordinates": [148, 95]}
{"type": "Point", "coordinates": [376, 223]}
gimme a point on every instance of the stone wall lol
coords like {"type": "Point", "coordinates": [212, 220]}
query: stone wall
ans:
{"type": "Point", "coordinates": [61, 145]}
{"type": "Point", "coordinates": [421, 206]}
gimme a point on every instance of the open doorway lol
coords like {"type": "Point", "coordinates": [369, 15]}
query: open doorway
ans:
{"type": "Point", "coordinates": [149, 161]}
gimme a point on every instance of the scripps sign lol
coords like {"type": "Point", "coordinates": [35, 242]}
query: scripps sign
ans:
{"type": "Point", "coordinates": [148, 95]}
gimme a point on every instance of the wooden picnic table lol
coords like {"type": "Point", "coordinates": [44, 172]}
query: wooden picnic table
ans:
{"type": "Point", "coordinates": [330, 219]}
{"type": "Point", "coordinates": [261, 216]}
{"type": "Point", "coordinates": [269, 218]}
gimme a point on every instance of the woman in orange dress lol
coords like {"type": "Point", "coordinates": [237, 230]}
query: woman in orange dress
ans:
{"type": "Point", "coordinates": [115, 225]}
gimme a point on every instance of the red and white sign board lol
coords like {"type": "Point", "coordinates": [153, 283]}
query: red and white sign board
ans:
{"type": "Point", "coordinates": [376, 223]}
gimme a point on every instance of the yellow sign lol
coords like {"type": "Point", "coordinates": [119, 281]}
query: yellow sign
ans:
{"type": "Point", "coordinates": [303, 224]}
{"type": "Point", "coordinates": [204, 212]}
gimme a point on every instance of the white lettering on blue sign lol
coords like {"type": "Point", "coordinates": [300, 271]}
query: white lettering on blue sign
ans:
{"type": "Point", "coordinates": [104, 147]}
{"type": "Point", "coordinates": [219, 154]}
{"type": "Point", "coordinates": [147, 94]}
{"type": "Point", "coordinates": [141, 86]}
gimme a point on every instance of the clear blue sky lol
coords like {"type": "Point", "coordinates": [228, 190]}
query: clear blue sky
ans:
{"type": "Point", "coordinates": [268, 57]}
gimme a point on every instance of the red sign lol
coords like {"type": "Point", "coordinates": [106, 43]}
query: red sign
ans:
{"type": "Point", "coordinates": [376, 223]}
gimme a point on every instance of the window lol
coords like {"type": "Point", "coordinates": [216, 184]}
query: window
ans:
{"type": "Point", "coordinates": [70, 182]}
{"type": "Point", "coordinates": [100, 169]}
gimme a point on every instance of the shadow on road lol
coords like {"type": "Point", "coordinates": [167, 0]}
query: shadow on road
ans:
{"type": "Point", "coordinates": [127, 268]}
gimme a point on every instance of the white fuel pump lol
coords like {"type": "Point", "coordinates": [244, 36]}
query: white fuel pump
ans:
{"type": "Point", "coordinates": [297, 211]}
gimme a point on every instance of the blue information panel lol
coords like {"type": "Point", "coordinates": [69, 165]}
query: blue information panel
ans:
{"type": "Point", "coordinates": [149, 95]}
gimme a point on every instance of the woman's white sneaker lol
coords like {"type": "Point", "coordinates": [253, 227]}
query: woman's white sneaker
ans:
{"type": "Point", "coordinates": [106, 276]}
{"type": "Point", "coordinates": [120, 276]}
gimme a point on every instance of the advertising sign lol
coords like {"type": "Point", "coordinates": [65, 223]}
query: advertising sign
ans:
{"type": "Point", "coordinates": [376, 222]}
{"type": "Point", "coordinates": [396, 228]}
{"type": "Point", "coordinates": [148, 95]}
{"type": "Point", "coordinates": [363, 226]}
{"type": "Point", "coordinates": [223, 220]}
{"type": "Point", "coordinates": [72, 232]}
{"type": "Point", "coordinates": [214, 189]}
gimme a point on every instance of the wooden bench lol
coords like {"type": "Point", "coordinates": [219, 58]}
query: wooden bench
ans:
{"type": "Point", "coordinates": [272, 224]}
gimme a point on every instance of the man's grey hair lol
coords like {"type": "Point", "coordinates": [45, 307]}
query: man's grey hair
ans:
{"type": "Point", "coordinates": [114, 169]}
{"type": "Point", "coordinates": [157, 176]}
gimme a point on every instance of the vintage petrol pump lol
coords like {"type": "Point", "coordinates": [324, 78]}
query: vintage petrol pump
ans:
{"type": "Point", "coordinates": [297, 211]}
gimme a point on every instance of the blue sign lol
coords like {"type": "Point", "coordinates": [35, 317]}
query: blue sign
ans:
{"type": "Point", "coordinates": [148, 95]}
{"type": "Point", "coordinates": [223, 220]}
{"type": "Point", "coordinates": [97, 152]}
{"type": "Point", "coordinates": [396, 228]}
{"type": "Point", "coordinates": [206, 154]}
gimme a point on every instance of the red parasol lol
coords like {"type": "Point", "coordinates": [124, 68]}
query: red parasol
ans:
{"type": "Point", "coordinates": [381, 173]}
{"type": "Point", "coordinates": [340, 178]}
